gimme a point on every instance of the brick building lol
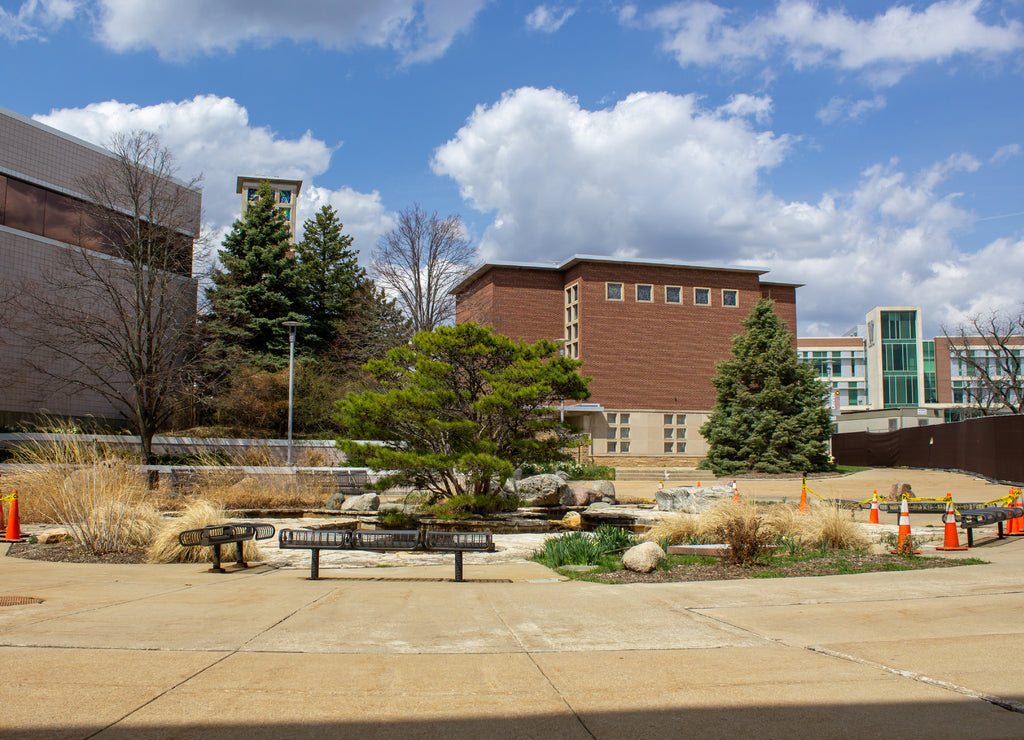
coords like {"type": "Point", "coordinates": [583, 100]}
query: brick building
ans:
{"type": "Point", "coordinates": [46, 219]}
{"type": "Point", "coordinates": [648, 333]}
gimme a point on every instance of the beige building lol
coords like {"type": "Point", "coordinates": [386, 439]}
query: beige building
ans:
{"type": "Point", "coordinates": [286, 196]}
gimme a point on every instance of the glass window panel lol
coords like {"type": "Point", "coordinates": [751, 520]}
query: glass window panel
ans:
{"type": "Point", "coordinates": [63, 220]}
{"type": "Point", "coordinates": [673, 294]}
{"type": "Point", "coordinates": [611, 446]}
{"type": "Point", "coordinates": [669, 447]}
{"type": "Point", "coordinates": [668, 434]}
{"type": "Point", "coordinates": [624, 433]}
{"type": "Point", "coordinates": [613, 291]}
{"type": "Point", "coordinates": [644, 293]}
{"type": "Point", "coordinates": [730, 297]}
{"type": "Point", "coordinates": [611, 418]}
{"type": "Point", "coordinates": [286, 196]}
{"type": "Point", "coordinates": [623, 418]}
{"type": "Point", "coordinates": [701, 296]}
{"type": "Point", "coordinates": [681, 433]}
{"type": "Point", "coordinates": [680, 446]}
{"type": "Point", "coordinates": [611, 433]}
{"type": "Point", "coordinates": [667, 419]}
{"type": "Point", "coordinates": [680, 418]}
{"type": "Point", "coordinates": [26, 205]}
{"type": "Point", "coordinates": [624, 447]}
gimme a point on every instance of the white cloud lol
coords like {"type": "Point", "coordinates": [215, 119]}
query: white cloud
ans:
{"type": "Point", "coordinates": [884, 46]}
{"type": "Point", "coordinates": [749, 105]}
{"type": "Point", "coordinates": [548, 20]}
{"type": "Point", "coordinates": [843, 109]}
{"type": "Point", "coordinates": [212, 136]}
{"type": "Point", "coordinates": [659, 176]}
{"type": "Point", "coordinates": [418, 30]}
{"type": "Point", "coordinates": [1004, 153]}
{"type": "Point", "coordinates": [35, 17]}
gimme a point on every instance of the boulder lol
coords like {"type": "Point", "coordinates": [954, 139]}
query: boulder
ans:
{"type": "Point", "coordinates": [607, 490]}
{"type": "Point", "coordinates": [579, 497]}
{"type": "Point", "coordinates": [541, 490]}
{"type": "Point", "coordinates": [572, 520]}
{"type": "Point", "coordinates": [692, 499]}
{"type": "Point", "coordinates": [52, 536]}
{"type": "Point", "coordinates": [366, 502]}
{"type": "Point", "coordinates": [643, 558]}
{"type": "Point", "coordinates": [335, 501]}
{"type": "Point", "coordinates": [562, 474]}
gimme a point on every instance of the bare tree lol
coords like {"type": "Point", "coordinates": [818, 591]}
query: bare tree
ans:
{"type": "Point", "coordinates": [118, 317]}
{"type": "Point", "coordinates": [419, 261]}
{"type": "Point", "coordinates": [987, 352]}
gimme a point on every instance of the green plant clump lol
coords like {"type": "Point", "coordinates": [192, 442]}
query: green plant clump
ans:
{"type": "Point", "coordinates": [467, 505]}
{"type": "Point", "coordinates": [576, 470]}
{"type": "Point", "coordinates": [586, 548]}
{"type": "Point", "coordinates": [396, 519]}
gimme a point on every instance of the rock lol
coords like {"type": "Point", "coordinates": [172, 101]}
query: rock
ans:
{"type": "Point", "coordinates": [335, 501]}
{"type": "Point", "coordinates": [52, 536]}
{"type": "Point", "coordinates": [597, 506]}
{"type": "Point", "coordinates": [643, 558]}
{"type": "Point", "coordinates": [542, 490]}
{"type": "Point", "coordinates": [366, 502]}
{"type": "Point", "coordinates": [562, 474]}
{"type": "Point", "coordinates": [579, 497]}
{"type": "Point", "coordinates": [607, 490]}
{"type": "Point", "coordinates": [692, 499]}
{"type": "Point", "coordinates": [572, 520]}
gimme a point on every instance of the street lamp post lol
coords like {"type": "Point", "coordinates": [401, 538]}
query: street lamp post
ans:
{"type": "Point", "coordinates": [293, 327]}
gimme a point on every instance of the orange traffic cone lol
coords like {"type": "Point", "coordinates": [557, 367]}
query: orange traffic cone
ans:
{"type": "Point", "coordinates": [735, 493]}
{"type": "Point", "coordinates": [13, 522]}
{"type": "Point", "coordinates": [903, 536]}
{"type": "Point", "coordinates": [803, 494]}
{"type": "Point", "coordinates": [950, 540]}
{"type": "Point", "coordinates": [1015, 526]}
{"type": "Point", "coordinates": [661, 485]}
{"type": "Point", "coordinates": [873, 519]}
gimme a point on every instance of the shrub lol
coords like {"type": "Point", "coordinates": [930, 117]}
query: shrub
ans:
{"type": "Point", "coordinates": [461, 507]}
{"type": "Point", "coordinates": [575, 470]}
{"type": "Point", "coordinates": [396, 519]}
{"type": "Point", "coordinates": [584, 548]}
{"type": "Point", "coordinates": [745, 537]}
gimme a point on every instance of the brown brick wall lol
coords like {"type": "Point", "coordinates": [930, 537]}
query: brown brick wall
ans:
{"type": "Point", "coordinates": [657, 355]}
{"type": "Point", "coordinates": [524, 304]}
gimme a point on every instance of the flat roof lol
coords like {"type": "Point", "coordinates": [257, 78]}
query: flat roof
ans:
{"type": "Point", "coordinates": [271, 180]}
{"type": "Point", "coordinates": [579, 258]}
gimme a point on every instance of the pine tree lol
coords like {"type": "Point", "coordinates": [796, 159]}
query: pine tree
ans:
{"type": "Point", "coordinates": [770, 413]}
{"type": "Point", "coordinates": [331, 274]}
{"type": "Point", "coordinates": [259, 288]}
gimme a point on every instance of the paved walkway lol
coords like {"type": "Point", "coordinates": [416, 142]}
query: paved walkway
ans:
{"type": "Point", "coordinates": [171, 651]}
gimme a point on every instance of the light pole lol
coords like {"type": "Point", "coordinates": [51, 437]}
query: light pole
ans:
{"type": "Point", "coordinates": [293, 327]}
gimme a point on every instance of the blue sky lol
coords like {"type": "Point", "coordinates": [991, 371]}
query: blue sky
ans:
{"type": "Point", "coordinates": [871, 150]}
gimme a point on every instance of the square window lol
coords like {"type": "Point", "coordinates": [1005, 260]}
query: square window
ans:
{"type": "Point", "coordinates": [680, 419]}
{"type": "Point", "coordinates": [624, 433]}
{"type": "Point", "coordinates": [286, 196]}
{"type": "Point", "coordinates": [611, 447]}
{"type": "Point", "coordinates": [730, 298]}
{"type": "Point", "coordinates": [681, 433]}
{"type": "Point", "coordinates": [568, 296]}
{"type": "Point", "coordinates": [667, 419]}
{"type": "Point", "coordinates": [611, 433]}
{"type": "Point", "coordinates": [611, 417]}
{"type": "Point", "coordinates": [669, 447]}
{"type": "Point", "coordinates": [287, 213]}
{"type": "Point", "coordinates": [250, 194]}
{"type": "Point", "coordinates": [673, 294]}
{"type": "Point", "coordinates": [644, 293]}
{"type": "Point", "coordinates": [668, 434]}
{"type": "Point", "coordinates": [624, 447]}
{"type": "Point", "coordinates": [613, 291]}
{"type": "Point", "coordinates": [702, 296]}
{"type": "Point", "coordinates": [623, 418]}
{"type": "Point", "coordinates": [680, 446]}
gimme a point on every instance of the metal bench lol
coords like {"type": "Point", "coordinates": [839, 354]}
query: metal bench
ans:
{"type": "Point", "coordinates": [216, 535]}
{"type": "Point", "coordinates": [971, 518]}
{"type": "Point", "coordinates": [383, 540]}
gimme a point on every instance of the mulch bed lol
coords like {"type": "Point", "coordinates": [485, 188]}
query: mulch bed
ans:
{"type": "Point", "coordinates": [829, 565]}
{"type": "Point", "coordinates": [72, 552]}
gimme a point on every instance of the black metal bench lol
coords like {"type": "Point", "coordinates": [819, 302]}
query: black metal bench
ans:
{"type": "Point", "coordinates": [383, 540]}
{"type": "Point", "coordinates": [971, 518]}
{"type": "Point", "coordinates": [216, 535]}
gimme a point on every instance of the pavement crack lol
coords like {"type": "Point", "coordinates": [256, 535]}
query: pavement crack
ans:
{"type": "Point", "coordinates": [1008, 704]}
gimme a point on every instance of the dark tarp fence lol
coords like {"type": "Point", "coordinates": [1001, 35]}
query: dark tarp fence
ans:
{"type": "Point", "coordinates": [992, 446]}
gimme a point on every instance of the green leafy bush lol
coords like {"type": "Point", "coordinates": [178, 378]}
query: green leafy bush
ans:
{"type": "Point", "coordinates": [467, 505]}
{"type": "Point", "coordinates": [584, 548]}
{"type": "Point", "coordinates": [576, 470]}
{"type": "Point", "coordinates": [396, 519]}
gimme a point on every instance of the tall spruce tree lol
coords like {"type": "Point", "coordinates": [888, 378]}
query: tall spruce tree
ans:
{"type": "Point", "coordinates": [331, 274]}
{"type": "Point", "coordinates": [259, 288]}
{"type": "Point", "coordinates": [770, 413]}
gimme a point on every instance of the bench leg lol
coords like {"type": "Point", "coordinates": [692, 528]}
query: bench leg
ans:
{"type": "Point", "coordinates": [314, 564]}
{"type": "Point", "coordinates": [1000, 529]}
{"type": "Point", "coordinates": [216, 560]}
{"type": "Point", "coordinates": [240, 561]}
{"type": "Point", "coordinates": [458, 566]}
{"type": "Point", "coordinates": [970, 537]}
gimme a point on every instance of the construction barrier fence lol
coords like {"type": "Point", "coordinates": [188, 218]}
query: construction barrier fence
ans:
{"type": "Point", "coordinates": [988, 446]}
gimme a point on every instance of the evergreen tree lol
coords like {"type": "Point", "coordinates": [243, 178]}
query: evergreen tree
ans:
{"type": "Point", "coordinates": [331, 274]}
{"type": "Point", "coordinates": [770, 413]}
{"type": "Point", "coordinates": [259, 288]}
